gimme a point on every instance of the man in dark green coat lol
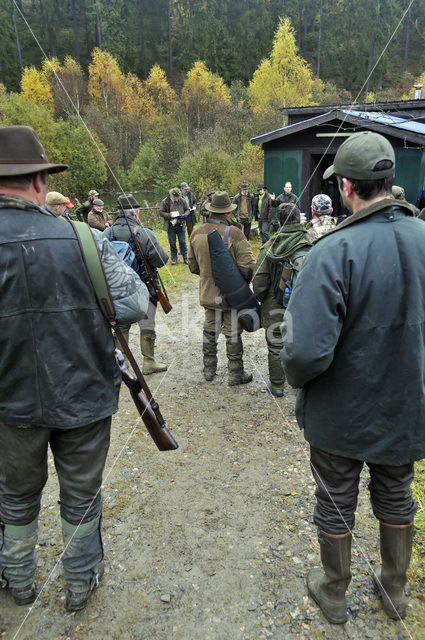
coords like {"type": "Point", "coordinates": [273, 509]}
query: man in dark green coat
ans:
{"type": "Point", "coordinates": [354, 344]}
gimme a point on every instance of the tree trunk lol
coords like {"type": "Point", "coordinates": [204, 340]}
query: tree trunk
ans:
{"type": "Point", "coordinates": [319, 42]}
{"type": "Point", "coordinates": [170, 44]}
{"type": "Point", "coordinates": [75, 21]}
{"type": "Point", "coordinates": [18, 44]}
{"type": "Point", "coordinates": [99, 27]}
{"type": "Point", "coordinates": [406, 43]}
{"type": "Point", "coordinates": [370, 63]}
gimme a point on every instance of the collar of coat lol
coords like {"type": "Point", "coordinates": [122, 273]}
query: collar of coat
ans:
{"type": "Point", "coordinates": [370, 210]}
{"type": "Point", "coordinates": [15, 202]}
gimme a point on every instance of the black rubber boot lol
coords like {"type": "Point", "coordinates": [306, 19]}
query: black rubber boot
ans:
{"type": "Point", "coordinates": [391, 578]}
{"type": "Point", "coordinates": [328, 587]}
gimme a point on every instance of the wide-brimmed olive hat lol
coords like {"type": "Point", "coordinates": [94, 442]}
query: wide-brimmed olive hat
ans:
{"type": "Point", "coordinates": [21, 153]}
{"type": "Point", "coordinates": [220, 203]}
{"type": "Point", "coordinates": [128, 201]}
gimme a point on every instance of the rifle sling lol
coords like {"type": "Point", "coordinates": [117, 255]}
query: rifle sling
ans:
{"type": "Point", "coordinates": [97, 276]}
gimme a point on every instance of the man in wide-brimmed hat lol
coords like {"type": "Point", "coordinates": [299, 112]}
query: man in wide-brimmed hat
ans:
{"type": "Point", "coordinates": [218, 318]}
{"type": "Point", "coordinates": [58, 377]}
{"type": "Point", "coordinates": [126, 223]}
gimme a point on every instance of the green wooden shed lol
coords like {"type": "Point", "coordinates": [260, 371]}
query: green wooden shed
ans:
{"type": "Point", "coordinates": [302, 151]}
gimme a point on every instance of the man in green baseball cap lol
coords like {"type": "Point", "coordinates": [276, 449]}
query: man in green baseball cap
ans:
{"type": "Point", "coordinates": [354, 345]}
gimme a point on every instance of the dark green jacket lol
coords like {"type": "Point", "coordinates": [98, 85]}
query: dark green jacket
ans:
{"type": "Point", "coordinates": [354, 338]}
{"type": "Point", "coordinates": [155, 254]}
{"type": "Point", "coordinates": [290, 242]}
{"type": "Point", "coordinates": [83, 210]}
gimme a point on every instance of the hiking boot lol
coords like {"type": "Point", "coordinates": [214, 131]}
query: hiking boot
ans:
{"type": "Point", "coordinates": [242, 379]}
{"type": "Point", "coordinates": [23, 595]}
{"type": "Point", "coordinates": [173, 262]}
{"type": "Point", "coordinates": [391, 578]}
{"type": "Point", "coordinates": [185, 260]}
{"type": "Point", "coordinates": [147, 346]}
{"type": "Point", "coordinates": [209, 375]}
{"type": "Point", "coordinates": [274, 390]}
{"type": "Point", "coordinates": [328, 587]}
{"type": "Point", "coordinates": [75, 601]}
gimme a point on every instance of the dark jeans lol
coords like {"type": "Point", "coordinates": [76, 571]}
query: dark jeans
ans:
{"type": "Point", "coordinates": [177, 231]}
{"type": "Point", "coordinates": [246, 227]}
{"type": "Point", "coordinates": [263, 226]}
{"type": "Point", "coordinates": [337, 481]}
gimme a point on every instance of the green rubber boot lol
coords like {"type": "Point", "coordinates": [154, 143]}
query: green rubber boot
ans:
{"type": "Point", "coordinates": [209, 352]}
{"type": "Point", "coordinates": [391, 578]}
{"type": "Point", "coordinates": [147, 346]}
{"type": "Point", "coordinates": [234, 351]}
{"type": "Point", "coordinates": [328, 587]}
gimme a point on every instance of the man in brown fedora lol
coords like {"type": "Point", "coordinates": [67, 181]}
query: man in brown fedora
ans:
{"type": "Point", "coordinates": [218, 319]}
{"type": "Point", "coordinates": [59, 381]}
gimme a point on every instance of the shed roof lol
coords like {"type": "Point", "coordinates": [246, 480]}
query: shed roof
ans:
{"type": "Point", "coordinates": [377, 121]}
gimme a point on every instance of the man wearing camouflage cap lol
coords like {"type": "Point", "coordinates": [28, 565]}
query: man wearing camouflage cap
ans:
{"type": "Point", "coordinates": [84, 209]}
{"type": "Point", "coordinates": [59, 381]}
{"type": "Point", "coordinates": [354, 344]}
{"type": "Point", "coordinates": [322, 221]}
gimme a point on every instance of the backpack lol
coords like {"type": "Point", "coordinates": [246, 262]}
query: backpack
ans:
{"type": "Point", "coordinates": [287, 273]}
{"type": "Point", "coordinates": [124, 249]}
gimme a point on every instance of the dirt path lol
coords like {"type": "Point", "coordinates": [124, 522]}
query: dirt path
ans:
{"type": "Point", "coordinates": [211, 541]}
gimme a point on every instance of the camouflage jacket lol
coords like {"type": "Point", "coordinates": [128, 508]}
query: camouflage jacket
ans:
{"type": "Point", "coordinates": [321, 225]}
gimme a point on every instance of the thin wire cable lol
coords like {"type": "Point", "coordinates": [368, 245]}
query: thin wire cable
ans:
{"type": "Point", "coordinates": [85, 126]}
{"type": "Point", "coordinates": [104, 482]}
{"type": "Point", "coordinates": [307, 456]}
{"type": "Point", "coordinates": [308, 182]}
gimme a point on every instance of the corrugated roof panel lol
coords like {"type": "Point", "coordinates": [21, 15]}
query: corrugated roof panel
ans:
{"type": "Point", "coordinates": [389, 120]}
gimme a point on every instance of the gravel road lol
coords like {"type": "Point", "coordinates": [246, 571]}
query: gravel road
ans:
{"type": "Point", "coordinates": [212, 541]}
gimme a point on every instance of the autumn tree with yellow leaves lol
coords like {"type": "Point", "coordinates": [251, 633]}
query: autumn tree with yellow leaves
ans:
{"type": "Point", "coordinates": [282, 80]}
{"type": "Point", "coordinates": [202, 93]}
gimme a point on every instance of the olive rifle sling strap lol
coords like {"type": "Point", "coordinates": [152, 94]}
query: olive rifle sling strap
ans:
{"type": "Point", "coordinates": [95, 270]}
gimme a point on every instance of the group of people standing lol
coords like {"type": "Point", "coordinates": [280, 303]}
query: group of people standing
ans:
{"type": "Point", "coordinates": [343, 308]}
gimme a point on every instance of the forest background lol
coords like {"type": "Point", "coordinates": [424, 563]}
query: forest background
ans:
{"type": "Point", "coordinates": [173, 90]}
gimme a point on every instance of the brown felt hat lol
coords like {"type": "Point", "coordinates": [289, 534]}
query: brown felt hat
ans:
{"type": "Point", "coordinates": [220, 203]}
{"type": "Point", "coordinates": [21, 153]}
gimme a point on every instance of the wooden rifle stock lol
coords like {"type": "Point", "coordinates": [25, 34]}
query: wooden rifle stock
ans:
{"type": "Point", "coordinates": [143, 399]}
{"type": "Point", "coordinates": [157, 430]}
{"type": "Point", "coordinates": [160, 294]}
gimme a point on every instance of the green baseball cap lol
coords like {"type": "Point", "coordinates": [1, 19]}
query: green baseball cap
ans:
{"type": "Point", "coordinates": [359, 154]}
